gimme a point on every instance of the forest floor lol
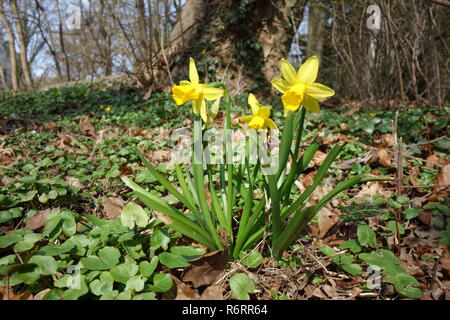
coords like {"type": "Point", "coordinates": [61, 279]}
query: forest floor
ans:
{"type": "Point", "coordinates": [63, 152]}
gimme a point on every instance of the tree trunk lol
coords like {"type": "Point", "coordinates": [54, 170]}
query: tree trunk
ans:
{"type": "Point", "coordinates": [241, 40]}
{"type": "Point", "coordinates": [316, 24]}
{"type": "Point", "coordinates": [61, 42]}
{"type": "Point", "coordinates": [12, 49]}
{"type": "Point", "coordinates": [23, 46]}
{"type": "Point", "coordinates": [3, 79]}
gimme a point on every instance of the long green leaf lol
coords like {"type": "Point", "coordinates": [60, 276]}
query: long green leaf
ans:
{"type": "Point", "coordinates": [317, 179]}
{"type": "Point", "coordinates": [179, 221]}
{"type": "Point", "coordinates": [164, 182]}
{"type": "Point", "coordinates": [297, 224]}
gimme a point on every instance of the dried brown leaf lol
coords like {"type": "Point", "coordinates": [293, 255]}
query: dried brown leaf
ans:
{"type": "Point", "coordinates": [326, 220]}
{"type": "Point", "coordinates": [214, 292]}
{"type": "Point", "coordinates": [206, 269]}
{"type": "Point", "coordinates": [87, 129]}
{"type": "Point", "coordinates": [39, 220]}
{"type": "Point", "coordinates": [112, 206]}
{"type": "Point", "coordinates": [383, 158]}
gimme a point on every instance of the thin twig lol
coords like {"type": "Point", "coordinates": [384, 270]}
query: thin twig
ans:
{"type": "Point", "coordinates": [427, 142]}
{"type": "Point", "coordinates": [399, 165]}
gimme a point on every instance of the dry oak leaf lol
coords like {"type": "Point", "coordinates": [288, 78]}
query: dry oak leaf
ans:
{"type": "Point", "coordinates": [87, 129]}
{"type": "Point", "coordinates": [39, 220]}
{"type": "Point", "coordinates": [387, 140]}
{"type": "Point", "coordinates": [206, 269]}
{"type": "Point", "coordinates": [7, 293]}
{"type": "Point", "coordinates": [445, 261]}
{"type": "Point", "coordinates": [184, 291]}
{"type": "Point", "coordinates": [112, 206]}
{"type": "Point", "coordinates": [214, 292]}
{"type": "Point", "coordinates": [319, 157]}
{"type": "Point", "coordinates": [384, 158]}
{"type": "Point", "coordinates": [443, 178]}
{"type": "Point", "coordinates": [73, 182]}
{"type": "Point", "coordinates": [326, 219]}
{"type": "Point", "coordinates": [6, 156]}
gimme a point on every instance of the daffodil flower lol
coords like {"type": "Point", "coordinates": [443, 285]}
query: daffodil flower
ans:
{"type": "Point", "coordinates": [196, 92]}
{"type": "Point", "coordinates": [260, 115]}
{"type": "Point", "coordinates": [300, 88]}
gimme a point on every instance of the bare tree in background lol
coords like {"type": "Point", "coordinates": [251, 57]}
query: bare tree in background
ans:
{"type": "Point", "coordinates": [11, 47]}
{"type": "Point", "coordinates": [19, 23]}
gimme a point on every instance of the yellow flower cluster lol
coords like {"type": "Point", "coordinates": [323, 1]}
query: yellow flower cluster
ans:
{"type": "Point", "coordinates": [298, 88]}
{"type": "Point", "coordinates": [107, 108]}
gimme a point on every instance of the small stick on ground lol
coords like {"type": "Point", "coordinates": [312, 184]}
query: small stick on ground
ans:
{"type": "Point", "coordinates": [399, 166]}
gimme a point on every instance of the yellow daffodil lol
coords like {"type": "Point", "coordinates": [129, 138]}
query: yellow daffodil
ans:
{"type": "Point", "coordinates": [260, 115]}
{"type": "Point", "coordinates": [300, 88]}
{"type": "Point", "coordinates": [108, 109]}
{"type": "Point", "coordinates": [102, 107]}
{"type": "Point", "coordinates": [196, 92]}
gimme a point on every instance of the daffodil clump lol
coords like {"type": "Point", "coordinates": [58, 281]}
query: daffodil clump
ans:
{"type": "Point", "coordinates": [232, 218]}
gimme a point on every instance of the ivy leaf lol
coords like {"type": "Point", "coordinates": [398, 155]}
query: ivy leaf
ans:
{"type": "Point", "coordinates": [173, 261]}
{"type": "Point", "coordinates": [353, 268]}
{"type": "Point", "coordinates": [327, 250]}
{"type": "Point", "coordinates": [145, 296]}
{"type": "Point", "coordinates": [69, 225]}
{"type": "Point", "coordinates": [241, 285]}
{"type": "Point", "coordinates": [123, 272]}
{"type": "Point", "coordinates": [391, 226]}
{"type": "Point", "coordinates": [28, 242]}
{"type": "Point", "coordinates": [75, 293]}
{"type": "Point", "coordinates": [162, 282]}
{"type": "Point", "coordinates": [188, 252]}
{"type": "Point", "coordinates": [135, 283]}
{"type": "Point", "coordinates": [366, 236]}
{"type": "Point", "coordinates": [252, 260]}
{"type": "Point", "coordinates": [102, 286]}
{"type": "Point", "coordinates": [352, 244]}
{"type": "Point", "coordinates": [405, 284]}
{"type": "Point", "coordinates": [411, 213]}
{"type": "Point", "coordinates": [9, 239]}
{"type": "Point", "coordinates": [45, 265]}
{"type": "Point", "coordinates": [159, 239]}
{"type": "Point", "coordinates": [133, 214]}
{"type": "Point", "coordinates": [147, 268]}
{"type": "Point", "coordinates": [107, 258]}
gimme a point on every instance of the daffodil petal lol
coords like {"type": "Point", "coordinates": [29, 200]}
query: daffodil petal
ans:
{"type": "Point", "coordinates": [280, 84]}
{"type": "Point", "coordinates": [264, 112]}
{"type": "Point", "coordinates": [203, 111]}
{"type": "Point", "coordinates": [211, 93]}
{"type": "Point", "coordinates": [184, 93]}
{"type": "Point", "coordinates": [311, 104]}
{"type": "Point", "coordinates": [196, 105]}
{"type": "Point", "coordinates": [257, 123]}
{"type": "Point", "coordinates": [253, 102]}
{"type": "Point", "coordinates": [193, 74]}
{"type": "Point", "coordinates": [308, 71]}
{"type": "Point", "coordinates": [288, 71]}
{"type": "Point", "coordinates": [271, 124]}
{"type": "Point", "coordinates": [246, 119]}
{"type": "Point", "coordinates": [319, 91]}
{"type": "Point", "coordinates": [185, 83]}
